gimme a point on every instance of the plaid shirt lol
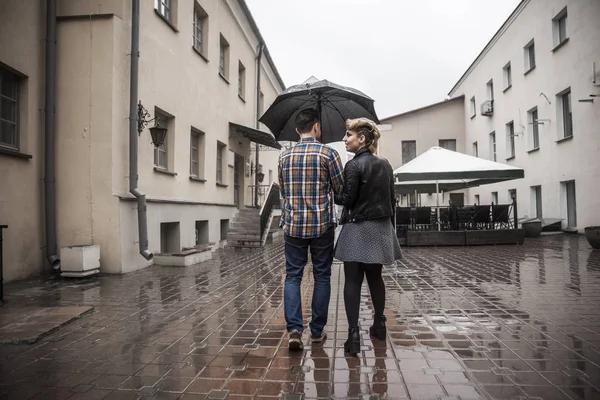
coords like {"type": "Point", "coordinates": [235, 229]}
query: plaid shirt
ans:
{"type": "Point", "coordinates": [308, 174]}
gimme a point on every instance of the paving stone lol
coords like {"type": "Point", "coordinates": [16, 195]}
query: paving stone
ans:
{"type": "Point", "coordinates": [477, 322]}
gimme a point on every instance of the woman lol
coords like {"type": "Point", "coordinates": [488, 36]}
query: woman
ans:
{"type": "Point", "coordinates": [368, 239]}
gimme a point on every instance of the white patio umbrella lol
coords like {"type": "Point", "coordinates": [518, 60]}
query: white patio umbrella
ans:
{"type": "Point", "coordinates": [450, 170]}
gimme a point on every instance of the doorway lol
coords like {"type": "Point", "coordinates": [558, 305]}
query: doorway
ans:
{"type": "Point", "coordinates": [571, 202]}
{"type": "Point", "coordinates": [238, 178]}
{"type": "Point", "coordinates": [536, 194]}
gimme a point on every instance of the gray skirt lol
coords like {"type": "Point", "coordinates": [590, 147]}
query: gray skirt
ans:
{"type": "Point", "coordinates": [369, 242]}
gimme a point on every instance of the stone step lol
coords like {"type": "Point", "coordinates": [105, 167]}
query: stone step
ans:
{"type": "Point", "coordinates": [243, 245]}
{"type": "Point", "coordinates": [242, 237]}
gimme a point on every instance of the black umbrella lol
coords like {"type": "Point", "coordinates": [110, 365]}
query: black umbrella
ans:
{"type": "Point", "coordinates": [335, 104]}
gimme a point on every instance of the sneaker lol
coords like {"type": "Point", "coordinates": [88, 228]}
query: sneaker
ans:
{"type": "Point", "coordinates": [319, 339]}
{"type": "Point", "coordinates": [295, 340]}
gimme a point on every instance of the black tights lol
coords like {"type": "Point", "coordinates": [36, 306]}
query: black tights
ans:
{"type": "Point", "coordinates": [355, 272]}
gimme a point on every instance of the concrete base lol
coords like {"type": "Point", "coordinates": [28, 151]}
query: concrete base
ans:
{"type": "Point", "coordinates": [27, 325]}
{"type": "Point", "coordinates": [81, 274]}
{"type": "Point", "coordinates": [79, 261]}
{"type": "Point", "coordinates": [182, 260]}
{"type": "Point", "coordinates": [465, 238]}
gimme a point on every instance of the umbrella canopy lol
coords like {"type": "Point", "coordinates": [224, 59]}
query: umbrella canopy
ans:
{"type": "Point", "coordinates": [429, 186]}
{"type": "Point", "coordinates": [335, 103]}
{"type": "Point", "coordinates": [438, 164]}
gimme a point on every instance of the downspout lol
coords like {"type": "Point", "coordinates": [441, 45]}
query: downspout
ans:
{"type": "Point", "coordinates": [49, 128]}
{"type": "Point", "coordinates": [256, 160]}
{"type": "Point", "coordinates": [133, 131]}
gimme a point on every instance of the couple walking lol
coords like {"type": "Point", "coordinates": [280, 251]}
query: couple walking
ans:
{"type": "Point", "coordinates": [311, 181]}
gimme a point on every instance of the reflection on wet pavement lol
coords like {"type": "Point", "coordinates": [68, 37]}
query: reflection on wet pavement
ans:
{"type": "Point", "coordinates": [504, 322]}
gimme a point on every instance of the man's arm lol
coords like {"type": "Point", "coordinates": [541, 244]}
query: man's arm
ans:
{"type": "Point", "coordinates": [349, 194]}
{"type": "Point", "coordinates": [336, 173]}
{"type": "Point", "coordinates": [392, 195]}
{"type": "Point", "coordinates": [280, 177]}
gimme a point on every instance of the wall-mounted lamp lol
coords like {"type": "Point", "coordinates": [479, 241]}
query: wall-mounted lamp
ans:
{"type": "Point", "coordinates": [157, 132]}
{"type": "Point", "coordinates": [260, 174]}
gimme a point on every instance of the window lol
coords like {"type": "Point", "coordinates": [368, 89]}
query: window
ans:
{"type": "Point", "coordinates": [200, 30]}
{"type": "Point", "coordinates": [162, 159]}
{"type": "Point", "coordinates": [495, 197]}
{"type": "Point", "coordinates": [510, 140]}
{"type": "Point", "coordinates": [490, 89]}
{"type": "Point", "coordinates": [534, 128]}
{"type": "Point", "coordinates": [409, 151]}
{"type": "Point", "coordinates": [565, 114]}
{"type": "Point", "coordinates": [164, 8]}
{"type": "Point", "coordinates": [493, 146]}
{"type": "Point", "coordinates": [448, 144]}
{"type": "Point", "coordinates": [241, 80]}
{"type": "Point", "coordinates": [529, 52]}
{"type": "Point", "coordinates": [473, 107]}
{"type": "Point", "coordinates": [477, 200]}
{"type": "Point", "coordinates": [197, 154]}
{"type": "Point", "coordinates": [9, 105]}
{"type": "Point", "coordinates": [220, 153]}
{"type": "Point", "coordinates": [475, 149]}
{"type": "Point", "coordinates": [160, 156]}
{"type": "Point", "coordinates": [507, 73]}
{"type": "Point", "coordinates": [559, 27]}
{"type": "Point", "coordinates": [224, 58]}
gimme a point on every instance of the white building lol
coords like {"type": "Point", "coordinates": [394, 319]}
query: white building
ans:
{"type": "Point", "coordinates": [532, 100]}
{"type": "Point", "coordinates": [198, 71]}
{"type": "Point", "coordinates": [529, 103]}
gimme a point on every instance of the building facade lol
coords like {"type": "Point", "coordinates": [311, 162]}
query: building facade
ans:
{"type": "Point", "coordinates": [532, 100]}
{"type": "Point", "coordinates": [408, 135]}
{"type": "Point", "coordinates": [198, 73]}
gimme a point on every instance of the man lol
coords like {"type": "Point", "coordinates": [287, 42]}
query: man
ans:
{"type": "Point", "coordinates": [309, 174]}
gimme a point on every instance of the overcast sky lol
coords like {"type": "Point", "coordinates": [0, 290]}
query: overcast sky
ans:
{"type": "Point", "coordinates": [404, 54]}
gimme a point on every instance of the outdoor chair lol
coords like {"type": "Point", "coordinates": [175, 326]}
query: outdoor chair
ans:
{"type": "Point", "coordinates": [423, 218]}
{"type": "Point", "coordinates": [481, 217]}
{"type": "Point", "coordinates": [500, 216]}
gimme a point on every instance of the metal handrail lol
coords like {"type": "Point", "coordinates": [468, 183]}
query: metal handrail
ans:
{"type": "Point", "coordinates": [267, 208]}
{"type": "Point", "coordinates": [2, 227]}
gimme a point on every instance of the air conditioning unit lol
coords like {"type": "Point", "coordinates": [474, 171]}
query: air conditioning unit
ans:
{"type": "Point", "coordinates": [487, 108]}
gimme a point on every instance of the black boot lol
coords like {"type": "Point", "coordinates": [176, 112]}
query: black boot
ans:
{"type": "Point", "coordinates": [378, 329]}
{"type": "Point", "coordinates": [352, 345]}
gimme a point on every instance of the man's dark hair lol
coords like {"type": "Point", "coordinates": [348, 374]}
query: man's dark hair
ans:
{"type": "Point", "coordinates": [306, 119]}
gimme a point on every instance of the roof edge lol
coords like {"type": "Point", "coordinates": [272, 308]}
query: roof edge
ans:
{"type": "Point", "coordinates": [489, 45]}
{"type": "Point", "coordinates": [433, 105]}
{"type": "Point", "coordinates": [254, 26]}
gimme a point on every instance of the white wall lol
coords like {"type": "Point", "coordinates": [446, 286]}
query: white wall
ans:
{"type": "Point", "coordinates": [569, 66]}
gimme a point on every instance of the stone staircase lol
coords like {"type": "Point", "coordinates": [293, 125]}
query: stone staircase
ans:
{"type": "Point", "coordinates": [244, 230]}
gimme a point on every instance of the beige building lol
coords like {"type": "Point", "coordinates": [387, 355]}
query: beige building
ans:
{"type": "Point", "coordinates": [198, 72]}
{"type": "Point", "coordinates": [408, 135]}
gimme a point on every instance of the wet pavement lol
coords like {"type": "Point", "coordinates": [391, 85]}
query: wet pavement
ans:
{"type": "Point", "coordinates": [505, 322]}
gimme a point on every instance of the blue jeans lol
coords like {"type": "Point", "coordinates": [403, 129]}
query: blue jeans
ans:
{"type": "Point", "coordinates": [296, 257]}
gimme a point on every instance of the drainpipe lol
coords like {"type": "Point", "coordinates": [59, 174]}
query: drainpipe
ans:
{"type": "Point", "coordinates": [133, 131]}
{"type": "Point", "coordinates": [49, 128]}
{"type": "Point", "coordinates": [256, 160]}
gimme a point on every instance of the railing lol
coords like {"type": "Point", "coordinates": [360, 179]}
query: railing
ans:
{"type": "Point", "coordinates": [2, 227]}
{"type": "Point", "coordinates": [271, 202]}
{"type": "Point", "coordinates": [263, 192]}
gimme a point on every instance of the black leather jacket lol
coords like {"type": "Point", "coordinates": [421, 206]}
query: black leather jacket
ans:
{"type": "Point", "coordinates": [368, 188]}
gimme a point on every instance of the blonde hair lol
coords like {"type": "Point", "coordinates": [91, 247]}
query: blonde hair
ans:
{"type": "Point", "coordinates": [366, 128]}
